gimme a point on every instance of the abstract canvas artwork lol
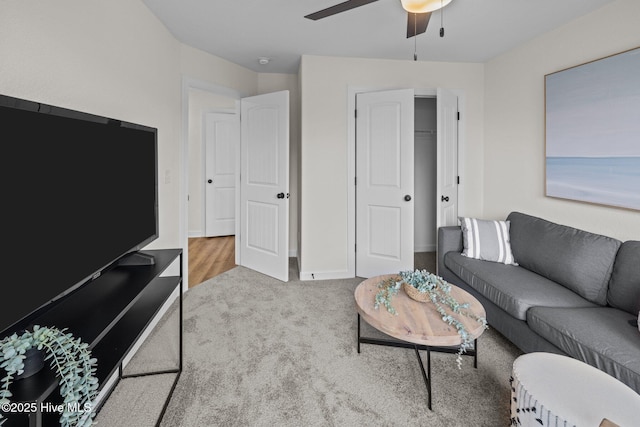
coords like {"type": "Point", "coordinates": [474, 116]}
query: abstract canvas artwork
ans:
{"type": "Point", "coordinates": [593, 131]}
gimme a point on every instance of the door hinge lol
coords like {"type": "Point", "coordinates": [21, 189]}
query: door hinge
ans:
{"type": "Point", "coordinates": [458, 115]}
{"type": "Point", "coordinates": [458, 179]}
{"type": "Point", "coordinates": [355, 113]}
{"type": "Point", "coordinates": [355, 180]}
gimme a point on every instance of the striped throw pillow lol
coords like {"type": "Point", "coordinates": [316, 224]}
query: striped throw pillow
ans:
{"type": "Point", "coordinates": [486, 240]}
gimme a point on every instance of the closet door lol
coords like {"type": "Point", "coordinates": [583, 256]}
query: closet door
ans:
{"type": "Point", "coordinates": [384, 182]}
{"type": "Point", "coordinates": [447, 141]}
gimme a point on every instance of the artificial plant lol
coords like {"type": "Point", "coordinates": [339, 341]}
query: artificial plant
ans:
{"type": "Point", "coordinates": [439, 293]}
{"type": "Point", "coordinates": [70, 359]}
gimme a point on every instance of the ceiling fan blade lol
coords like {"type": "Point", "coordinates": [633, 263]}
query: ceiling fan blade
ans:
{"type": "Point", "coordinates": [417, 23]}
{"type": "Point", "coordinates": [342, 7]}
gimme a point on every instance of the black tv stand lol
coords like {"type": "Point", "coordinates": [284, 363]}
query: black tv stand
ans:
{"type": "Point", "coordinates": [136, 259]}
{"type": "Point", "coordinates": [109, 313]}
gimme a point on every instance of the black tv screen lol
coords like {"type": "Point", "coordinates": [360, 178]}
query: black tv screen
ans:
{"type": "Point", "coordinates": [80, 192]}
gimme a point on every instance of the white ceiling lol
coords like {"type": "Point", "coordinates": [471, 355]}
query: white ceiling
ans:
{"type": "Point", "coordinates": [241, 31]}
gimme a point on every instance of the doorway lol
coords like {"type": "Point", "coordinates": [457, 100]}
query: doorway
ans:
{"type": "Point", "coordinates": [425, 182]}
{"type": "Point", "coordinates": [201, 97]}
{"type": "Point", "coordinates": [435, 120]}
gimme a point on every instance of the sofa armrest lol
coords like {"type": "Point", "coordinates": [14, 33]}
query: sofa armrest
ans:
{"type": "Point", "coordinates": [449, 239]}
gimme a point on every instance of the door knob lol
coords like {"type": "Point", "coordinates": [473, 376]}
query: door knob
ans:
{"type": "Point", "coordinates": [280, 196]}
{"type": "Point", "coordinates": [407, 198]}
{"type": "Point", "coordinates": [209, 181]}
{"type": "Point", "coordinates": [444, 199]}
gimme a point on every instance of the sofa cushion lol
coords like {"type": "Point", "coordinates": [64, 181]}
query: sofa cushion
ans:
{"type": "Point", "coordinates": [486, 240]}
{"type": "Point", "coordinates": [577, 259]}
{"type": "Point", "coordinates": [512, 288]}
{"type": "Point", "coordinates": [624, 286]}
{"type": "Point", "coordinates": [600, 336]}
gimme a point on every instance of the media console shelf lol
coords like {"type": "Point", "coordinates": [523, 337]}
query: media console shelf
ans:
{"type": "Point", "coordinates": [110, 314]}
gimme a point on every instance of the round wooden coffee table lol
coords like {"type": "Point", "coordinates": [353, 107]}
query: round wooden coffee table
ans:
{"type": "Point", "coordinates": [417, 325]}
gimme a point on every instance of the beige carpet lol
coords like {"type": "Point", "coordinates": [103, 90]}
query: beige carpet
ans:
{"type": "Point", "coordinates": [259, 352]}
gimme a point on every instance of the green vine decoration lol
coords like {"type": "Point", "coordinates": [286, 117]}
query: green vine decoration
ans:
{"type": "Point", "coordinates": [439, 293]}
{"type": "Point", "coordinates": [71, 360]}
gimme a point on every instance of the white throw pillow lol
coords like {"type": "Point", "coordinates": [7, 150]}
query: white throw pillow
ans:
{"type": "Point", "coordinates": [486, 240]}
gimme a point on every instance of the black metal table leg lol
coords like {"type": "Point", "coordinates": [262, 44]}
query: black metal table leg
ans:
{"type": "Point", "coordinates": [475, 353]}
{"type": "Point", "coordinates": [425, 376]}
{"type": "Point", "coordinates": [426, 373]}
{"type": "Point", "coordinates": [358, 333]}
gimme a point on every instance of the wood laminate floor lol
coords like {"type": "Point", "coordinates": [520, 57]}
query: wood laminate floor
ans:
{"type": "Point", "coordinates": [210, 256]}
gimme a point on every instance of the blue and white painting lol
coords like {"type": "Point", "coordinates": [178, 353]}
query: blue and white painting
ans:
{"type": "Point", "coordinates": [593, 132]}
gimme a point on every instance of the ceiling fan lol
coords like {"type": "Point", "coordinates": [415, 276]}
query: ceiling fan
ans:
{"type": "Point", "coordinates": [418, 12]}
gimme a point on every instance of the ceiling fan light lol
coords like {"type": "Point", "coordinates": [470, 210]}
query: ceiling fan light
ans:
{"type": "Point", "coordinates": [423, 6]}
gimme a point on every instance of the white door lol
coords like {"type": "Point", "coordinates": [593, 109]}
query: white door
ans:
{"type": "Point", "coordinates": [264, 184]}
{"type": "Point", "coordinates": [447, 175]}
{"type": "Point", "coordinates": [384, 182]}
{"type": "Point", "coordinates": [222, 136]}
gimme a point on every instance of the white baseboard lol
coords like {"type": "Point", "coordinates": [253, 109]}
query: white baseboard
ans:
{"type": "Point", "coordinates": [325, 275]}
{"type": "Point", "coordinates": [145, 334]}
{"type": "Point", "coordinates": [111, 382]}
{"type": "Point", "coordinates": [107, 388]}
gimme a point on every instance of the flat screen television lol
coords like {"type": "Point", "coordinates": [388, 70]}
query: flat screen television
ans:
{"type": "Point", "coordinates": [80, 192]}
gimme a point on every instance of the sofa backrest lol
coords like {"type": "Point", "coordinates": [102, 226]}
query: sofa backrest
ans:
{"type": "Point", "coordinates": [577, 259]}
{"type": "Point", "coordinates": [624, 286]}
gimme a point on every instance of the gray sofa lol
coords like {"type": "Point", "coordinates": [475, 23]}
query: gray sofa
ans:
{"type": "Point", "coordinates": [572, 292]}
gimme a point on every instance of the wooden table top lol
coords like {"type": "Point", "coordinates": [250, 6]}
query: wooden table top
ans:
{"type": "Point", "coordinates": [416, 322]}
